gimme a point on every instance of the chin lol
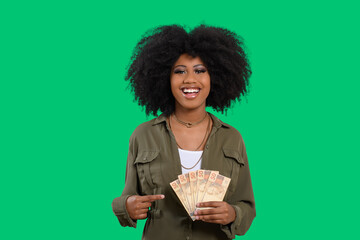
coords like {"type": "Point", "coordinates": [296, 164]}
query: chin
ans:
{"type": "Point", "coordinates": [191, 106]}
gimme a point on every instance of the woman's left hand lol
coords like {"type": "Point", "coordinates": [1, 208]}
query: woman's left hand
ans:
{"type": "Point", "coordinates": [220, 212]}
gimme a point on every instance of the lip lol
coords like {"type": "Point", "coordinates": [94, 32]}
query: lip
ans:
{"type": "Point", "coordinates": [190, 95]}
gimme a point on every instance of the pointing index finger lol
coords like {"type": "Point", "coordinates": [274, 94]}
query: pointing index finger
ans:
{"type": "Point", "coordinates": [152, 198]}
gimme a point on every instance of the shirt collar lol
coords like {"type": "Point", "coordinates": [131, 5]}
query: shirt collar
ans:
{"type": "Point", "coordinates": [217, 122]}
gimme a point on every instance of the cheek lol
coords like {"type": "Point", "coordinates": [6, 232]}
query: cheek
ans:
{"type": "Point", "coordinates": [208, 83]}
{"type": "Point", "coordinates": [175, 82]}
{"type": "Point", "coordinates": [174, 87]}
{"type": "Point", "coordinates": [174, 93]}
{"type": "Point", "coordinates": [172, 83]}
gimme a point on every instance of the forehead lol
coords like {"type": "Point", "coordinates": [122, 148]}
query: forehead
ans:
{"type": "Point", "coordinates": [188, 60]}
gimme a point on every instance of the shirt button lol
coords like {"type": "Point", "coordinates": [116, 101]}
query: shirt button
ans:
{"type": "Point", "coordinates": [187, 238]}
{"type": "Point", "coordinates": [144, 158]}
{"type": "Point", "coordinates": [207, 146]}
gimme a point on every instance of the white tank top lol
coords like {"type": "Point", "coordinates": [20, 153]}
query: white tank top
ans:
{"type": "Point", "coordinates": [188, 159]}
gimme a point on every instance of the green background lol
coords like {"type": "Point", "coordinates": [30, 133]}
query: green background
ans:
{"type": "Point", "coordinates": [66, 115]}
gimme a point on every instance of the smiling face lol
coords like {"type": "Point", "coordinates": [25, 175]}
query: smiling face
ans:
{"type": "Point", "coordinates": [190, 83]}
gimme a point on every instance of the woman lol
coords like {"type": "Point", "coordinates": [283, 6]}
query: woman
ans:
{"type": "Point", "coordinates": [179, 74]}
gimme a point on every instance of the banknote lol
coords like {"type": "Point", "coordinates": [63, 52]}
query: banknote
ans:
{"type": "Point", "coordinates": [199, 186]}
{"type": "Point", "coordinates": [193, 188]}
{"type": "Point", "coordinates": [175, 185]}
{"type": "Point", "coordinates": [203, 176]}
{"type": "Point", "coordinates": [217, 189]}
{"type": "Point", "coordinates": [185, 186]}
{"type": "Point", "coordinates": [210, 180]}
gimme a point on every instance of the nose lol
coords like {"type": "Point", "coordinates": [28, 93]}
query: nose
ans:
{"type": "Point", "coordinates": [189, 77]}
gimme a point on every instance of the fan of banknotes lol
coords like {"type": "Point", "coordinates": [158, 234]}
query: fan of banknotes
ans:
{"type": "Point", "coordinates": [199, 186]}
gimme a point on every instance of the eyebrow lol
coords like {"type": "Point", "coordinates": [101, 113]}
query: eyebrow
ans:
{"type": "Point", "coordinates": [193, 66]}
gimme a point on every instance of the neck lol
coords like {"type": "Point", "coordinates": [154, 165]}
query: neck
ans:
{"type": "Point", "coordinates": [192, 115]}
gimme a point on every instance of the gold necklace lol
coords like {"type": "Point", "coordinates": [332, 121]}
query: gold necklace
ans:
{"type": "Point", "coordinates": [206, 133]}
{"type": "Point", "coordinates": [195, 163]}
{"type": "Point", "coordinates": [189, 124]}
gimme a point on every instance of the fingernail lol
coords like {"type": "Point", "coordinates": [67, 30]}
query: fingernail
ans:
{"type": "Point", "coordinates": [162, 196]}
{"type": "Point", "coordinates": [195, 212]}
{"type": "Point", "coordinates": [197, 217]}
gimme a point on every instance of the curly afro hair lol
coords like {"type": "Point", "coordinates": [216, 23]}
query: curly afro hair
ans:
{"type": "Point", "coordinates": [221, 51]}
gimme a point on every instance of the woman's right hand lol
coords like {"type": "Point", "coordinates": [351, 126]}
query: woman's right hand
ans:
{"type": "Point", "coordinates": [138, 206]}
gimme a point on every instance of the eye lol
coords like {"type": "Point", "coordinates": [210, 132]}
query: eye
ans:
{"type": "Point", "coordinates": [198, 71]}
{"type": "Point", "coordinates": [178, 71]}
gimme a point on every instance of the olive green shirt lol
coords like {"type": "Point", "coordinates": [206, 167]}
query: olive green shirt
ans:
{"type": "Point", "coordinates": [153, 162]}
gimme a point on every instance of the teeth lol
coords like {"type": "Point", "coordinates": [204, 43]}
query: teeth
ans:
{"type": "Point", "coordinates": [190, 90]}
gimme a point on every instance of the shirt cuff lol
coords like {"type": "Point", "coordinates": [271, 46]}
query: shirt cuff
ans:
{"type": "Point", "coordinates": [119, 209]}
{"type": "Point", "coordinates": [231, 228]}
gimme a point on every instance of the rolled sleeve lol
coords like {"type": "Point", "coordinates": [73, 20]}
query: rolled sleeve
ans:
{"type": "Point", "coordinates": [242, 221]}
{"type": "Point", "coordinates": [242, 201]}
{"type": "Point", "coordinates": [119, 209]}
{"type": "Point", "coordinates": [131, 188]}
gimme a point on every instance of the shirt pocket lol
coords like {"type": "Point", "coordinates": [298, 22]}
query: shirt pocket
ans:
{"type": "Point", "coordinates": [147, 169]}
{"type": "Point", "coordinates": [234, 162]}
